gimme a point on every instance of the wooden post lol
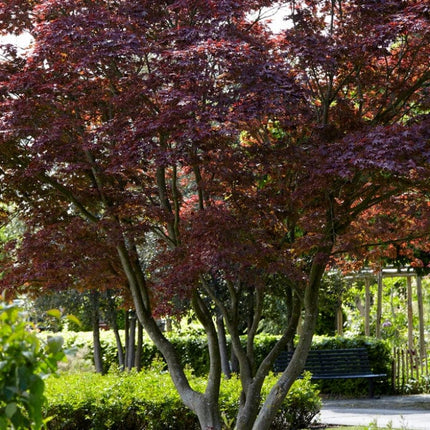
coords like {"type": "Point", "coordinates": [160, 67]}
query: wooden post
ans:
{"type": "Point", "coordinates": [422, 344]}
{"type": "Point", "coordinates": [339, 321]}
{"type": "Point", "coordinates": [394, 370]}
{"type": "Point", "coordinates": [379, 307]}
{"type": "Point", "coordinates": [367, 308]}
{"type": "Point", "coordinates": [410, 315]}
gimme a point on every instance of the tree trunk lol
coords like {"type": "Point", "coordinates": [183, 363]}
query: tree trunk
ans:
{"type": "Point", "coordinates": [234, 362]}
{"type": "Point", "coordinates": [339, 320]}
{"type": "Point", "coordinates": [98, 362]}
{"type": "Point", "coordinates": [278, 392]}
{"type": "Point", "coordinates": [126, 336]}
{"type": "Point", "coordinates": [112, 316]}
{"type": "Point", "coordinates": [139, 345]}
{"type": "Point", "coordinates": [119, 347]}
{"type": "Point", "coordinates": [131, 346]}
{"type": "Point", "coordinates": [249, 409]}
{"type": "Point", "coordinates": [204, 405]}
{"type": "Point", "coordinates": [225, 365]}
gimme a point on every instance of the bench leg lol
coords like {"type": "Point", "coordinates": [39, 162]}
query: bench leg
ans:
{"type": "Point", "coordinates": [371, 388]}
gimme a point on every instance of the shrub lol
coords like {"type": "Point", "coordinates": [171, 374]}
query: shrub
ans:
{"type": "Point", "coordinates": [194, 355]}
{"type": "Point", "coordinates": [148, 400]}
{"type": "Point", "coordinates": [116, 401]}
{"type": "Point", "coordinates": [191, 348]}
{"type": "Point", "coordinates": [300, 406]}
{"type": "Point", "coordinates": [380, 362]}
{"type": "Point", "coordinates": [77, 361]}
{"type": "Point", "coordinates": [24, 363]}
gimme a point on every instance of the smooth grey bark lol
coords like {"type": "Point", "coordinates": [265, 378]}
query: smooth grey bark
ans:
{"type": "Point", "coordinates": [204, 405]}
{"type": "Point", "coordinates": [222, 341]}
{"type": "Point", "coordinates": [249, 409]}
{"type": "Point", "coordinates": [234, 362]}
{"type": "Point", "coordinates": [139, 346]}
{"type": "Point", "coordinates": [119, 347]}
{"type": "Point", "coordinates": [277, 394]}
{"type": "Point", "coordinates": [131, 345]}
{"type": "Point", "coordinates": [251, 379]}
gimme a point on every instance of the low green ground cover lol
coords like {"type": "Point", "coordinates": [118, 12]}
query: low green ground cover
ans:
{"type": "Point", "coordinates": [148, 400]}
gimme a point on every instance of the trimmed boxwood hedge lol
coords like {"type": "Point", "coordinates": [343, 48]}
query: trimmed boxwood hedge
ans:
{"type": "Point", "coordinates": [147, 400]}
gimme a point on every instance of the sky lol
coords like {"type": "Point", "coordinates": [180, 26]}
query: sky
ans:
{"type": "Point", "coordinates": [22, 41]}
{"type": "Point", "coordinates": [276, 15]}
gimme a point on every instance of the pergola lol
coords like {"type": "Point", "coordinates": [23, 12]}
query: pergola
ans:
{"type": "Point", "coordinates": [408, 272]}
{"type": "Point", "coordinates": [408, 363]}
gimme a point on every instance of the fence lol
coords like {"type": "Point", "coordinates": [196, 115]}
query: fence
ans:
{"type": "Point", "coordinates": [409, 370]}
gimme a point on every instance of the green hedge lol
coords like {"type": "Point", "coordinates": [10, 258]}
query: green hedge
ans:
{"type": "Point", "coordinates": [148, 400]}
{"type": "Point", "coordinates": [194, 354]}
{"type": "Point", "coordinates": [380, 358]}
{"type": "Point", "coordinates": [191, 349]}
{"type": "Point", "coordinates": [128, 401]}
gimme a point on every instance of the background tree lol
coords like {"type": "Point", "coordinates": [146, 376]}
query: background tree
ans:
{"type": "Point", "coordinates": [93, 309]}
{"type": "Point", "coordinates": [247, 156]}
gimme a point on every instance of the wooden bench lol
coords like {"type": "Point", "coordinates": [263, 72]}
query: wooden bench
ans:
{"type": "Point", "coordinates": [334, 364]}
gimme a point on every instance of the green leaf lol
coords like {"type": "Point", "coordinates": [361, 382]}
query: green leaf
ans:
{"type": "Point", "coordinates": [54, 344]}
{"type": "Point", "coordinates": [10, 409]}
{"type": "Point", "coordinates": [74, 319]}
{"type": "Point", "coordinates": [56, 313]}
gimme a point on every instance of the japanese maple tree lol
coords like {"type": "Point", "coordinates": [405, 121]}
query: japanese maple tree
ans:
{"type": "Point", "coordinates": [182, 148]}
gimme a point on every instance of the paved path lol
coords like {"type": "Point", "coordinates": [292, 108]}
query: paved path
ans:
{"type": "Point", "coordinates": [397, 412]}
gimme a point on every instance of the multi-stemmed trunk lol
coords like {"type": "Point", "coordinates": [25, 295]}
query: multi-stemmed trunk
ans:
{"type": "Point", "coordinates": [204, 405]}
{"type": "Point", "coordinates": [280, 389]}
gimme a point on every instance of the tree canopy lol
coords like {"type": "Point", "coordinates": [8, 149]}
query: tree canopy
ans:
{"type": "Point", "coordinates": [182, 149]}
